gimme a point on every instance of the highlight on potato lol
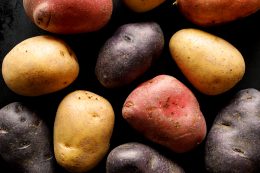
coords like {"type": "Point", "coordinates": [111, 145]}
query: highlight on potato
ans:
{"type": "Point", "coordinates": [83, 127]}
{"type": "Point", "coordinates": [40, 65]}
{"type": "Point", "coordinates": [69, 16]}
{"type": "Point", "coordinates": [166, 112]}
{"type": "Point", "coordinates": [211, 64]}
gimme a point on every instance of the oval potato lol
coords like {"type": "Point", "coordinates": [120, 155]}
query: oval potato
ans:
{"type": "Point", "coordinates": [83, 126]}
{"type": "Point", "coordinates": [39, 65]}
{"type": "Point", "coordinates": [210, 63]}
{"type": "Point", "coordinates": [142, 5]}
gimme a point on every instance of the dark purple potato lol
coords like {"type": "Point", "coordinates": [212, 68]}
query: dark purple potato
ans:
{"type": "Point", "coordinates": [25, 140]}
{"type": "Point", "coordinates": [139, 158]}
{"type": "Point", "coordinates": [129, 53]}
{"type": "Point", "coordinates": [233, 143]}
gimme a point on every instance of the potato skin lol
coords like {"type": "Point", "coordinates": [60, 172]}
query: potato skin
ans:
{"type": "Point", "coordinates": [83, 126]}
{"type": "Point", "coordinates": [25, 140]}
{"type": "Point", "coordinates": [129, 53]}
{"type": "Point", "coordinates": [39, 65]}
{"type": "Point", "coordinates": [233, 142]}
{"type": "Point", "coordinates": [137, 157]}
{"type": "Point", "coordinates": [166, 112]}
{"type": "Point", "coordinates": [210, 63]}
{"type": "Point", "coordinates": [215, 12]}
{"type": "Point", "coordinates": [69, 16]}
{"type": "Point", "coordinates": [142, 5]}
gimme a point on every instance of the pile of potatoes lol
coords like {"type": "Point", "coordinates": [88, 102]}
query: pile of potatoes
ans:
{"type": "Point", "coordinates": [162, 111]}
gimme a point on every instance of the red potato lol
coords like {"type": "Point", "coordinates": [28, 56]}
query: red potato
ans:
{"type": "Point", "coordinates": [213, 12]}
{"type": "Point", "coordinates": [165, 111]}
{"type": "Point", "coordinates": [69, 16]}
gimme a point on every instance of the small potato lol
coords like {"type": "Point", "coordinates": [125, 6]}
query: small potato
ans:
{"type": "Point", "coordinates": [166, 112]}
{"type": "Point", "coordinates": [215, 12]}
{"type": "Point", "coordinates": [129, 53]}
{"type": "Point", "coordinates": [136, 157]}
{"type": "Point", "coordinates": [25, 140]}
{"type": "Point", "coordinates": [83, 126]}
{"type": "Point", "coordinates": [142, 5]}
{"type": "Point", "coordinates": [233, 142]}
{"type": "Point", "coordinates": [210, 63]}
{"type": "Point", "coordinates": [39, 65]}
{"type": "Point", "coordinates": [69, 16]}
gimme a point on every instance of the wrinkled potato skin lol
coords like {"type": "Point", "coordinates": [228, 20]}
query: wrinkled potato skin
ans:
{"type": "Point", "coordinates": [69, 16]}
{"type": "Point", "coordinates": [136, 157]}
{"type": "Point", "coordinates": [142, 5]}
{"type": "Point", "coordinates": [39, 65]}
{"type": "Point", "coordinates": [233, 142]}
{"type": "Point", "coordinates": [210, 63]}
{"type": "Point", "coordinates": [25, 140]}
{"type": "Point", "coordinates": [215, 12]}
{"type": "Point", "coordinates": [83, 126]}
{"type": "Point", "coordinates": [166, 112]}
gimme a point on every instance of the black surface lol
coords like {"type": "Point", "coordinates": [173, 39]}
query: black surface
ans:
{"type": "Point", "coordinates": [243, 34]}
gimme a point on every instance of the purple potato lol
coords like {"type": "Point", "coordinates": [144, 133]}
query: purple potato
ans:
{"type": "Point", "coordinates": [233, 143]}
{"type": "Point", "coordinates": [139, 158]}
{"type": "Point", "coordinates": [129, 53]}
{"type": "Point", "coordinates": [25, 140]}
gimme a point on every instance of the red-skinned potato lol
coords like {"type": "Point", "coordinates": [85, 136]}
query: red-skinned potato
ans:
{"type": "Point", "coordinates": [213, 12]}
{"type": "Point", "coordinates": [166, 112]}
{"type": "Point", "coordinates": [69, 16]}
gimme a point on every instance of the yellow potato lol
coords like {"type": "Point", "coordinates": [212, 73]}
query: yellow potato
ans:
{"type": "Point", "coordinates": [82, 130]}
{"type": "Point", "coordinates": [210, 63]}
{"type": "Point", "coordinates": [142, 5]}
{"type": "Point", "coordinates": [39, 65]}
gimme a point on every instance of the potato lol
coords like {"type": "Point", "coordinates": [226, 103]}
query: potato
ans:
{"type": "Point", "coordinates": [215, 12]}
{"type": "Point", "coordinates": [233, 142]}
{"type": "Point", "coordinates": [129, 53]}
{"type": "Point", "coordinates": [83, 126]}
{"type": "Point", "coordinates": [25, 140]}
{"type": "Point", "coordinates": [166, 112]}
{"type": "Point", "coordinates": [210, 63]}
{"type": "Point", "coordinates": [69, 16]}
{"type": "Point", "coordinates": [136, 157]}
{"type": "Point", "coordinates": [142, 5]}
{"type": "Point", "coordinates": [39, 65]}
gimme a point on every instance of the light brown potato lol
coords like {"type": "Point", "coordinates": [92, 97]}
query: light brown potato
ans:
{"type": "Point", "coordinates": [39, 65]}
{"type": "Point", "coordinates": [142, 5]}
{"type": "Point", "coordinates": [82, 130]}
{"type": "Point", "coordinates": [210, 63]}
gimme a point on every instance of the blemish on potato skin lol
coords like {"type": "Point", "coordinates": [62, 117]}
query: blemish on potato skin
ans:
{"type": "Point", "coordinates": [128, 104]}
{"type": "Point", "coordinates": [62, 53]}
{"type": "Point", "coordinates": [22, 119]}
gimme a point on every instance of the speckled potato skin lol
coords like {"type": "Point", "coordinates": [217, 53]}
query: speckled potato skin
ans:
{"type": "Point", "coordinates": [69, 16]}
{"type": "Point", "coordinates": [25, 140]}
{"type": "Point", "coordinates": [233, 142]}
{"type": "Point", "coordinates": [129, 53]}
{"type": "Point", "coordinates": [39, 65]}
{"type": "Point", "coordinates": [139, 158]}
{"type": "Point", "coordinates": [166, 112]}
{"type": "Point", "coordinates": [82, 130]}
{"type": "Point", "coordinates": [215, 12]}
{"type": "Point", "coordinates": [210, 63]}
{"type": "Point", "coordinates": [142, 5]}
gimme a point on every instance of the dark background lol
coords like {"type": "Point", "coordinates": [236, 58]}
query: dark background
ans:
{"type": "Point", "coordinates": [243, 34]}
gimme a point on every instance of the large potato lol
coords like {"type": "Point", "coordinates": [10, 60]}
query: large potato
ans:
{"type": "Point", "coordinates": [39, 65]}
{"type": "Point", "coordinates": [166, 112]}
{"type": "Point", "coordinates": [210, 63]}
{"type": "Point", "coordinates": [129, 53]}
{"type": "Point", "coordinates": [83, 126]}
{"type": "Point", "coordinates": [69, 16]}
{"type": "Point", "coordinates": [142, 5]}
{"type": "Point", "coordinates": [213, 12]}
{"type": "Point", "coordinates": [25, 140]}
{"type": "Point", "coordinates": [135, 157]}
{"type": "Point", "coordinates": [233, 142]}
